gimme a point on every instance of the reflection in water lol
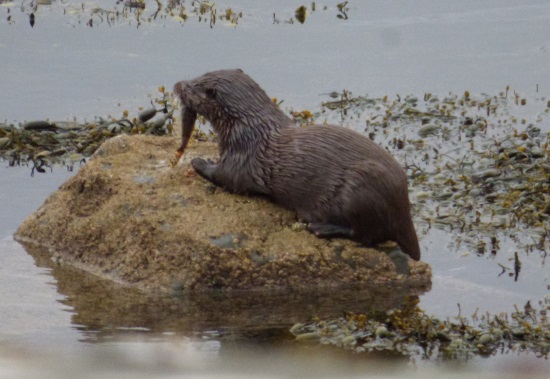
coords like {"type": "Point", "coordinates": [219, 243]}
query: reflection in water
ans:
{"type": "Point", "coordinates": [104, 310]}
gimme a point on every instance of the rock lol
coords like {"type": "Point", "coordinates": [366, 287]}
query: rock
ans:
{"type": "Point", "coordinates": [130, 217]}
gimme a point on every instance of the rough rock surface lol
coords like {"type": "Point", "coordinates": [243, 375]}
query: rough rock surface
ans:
{"type": "Point", "coordinates": [130, 217]}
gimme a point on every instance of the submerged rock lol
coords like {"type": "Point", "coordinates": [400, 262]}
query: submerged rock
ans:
{"type": "Point", "coordinates": [172, 230]}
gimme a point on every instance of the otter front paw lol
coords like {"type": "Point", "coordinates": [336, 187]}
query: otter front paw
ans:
{"type": "Point", "coordinates": [204, 168]}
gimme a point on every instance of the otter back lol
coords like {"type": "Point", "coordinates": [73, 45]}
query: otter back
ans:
{"type": "Point", "coordinates": [338, 181]}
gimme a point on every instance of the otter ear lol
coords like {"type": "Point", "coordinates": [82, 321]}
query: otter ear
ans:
{"type": "Point", "coordinates": [210, 93]}
{"type": "Point", "coordinates": [241, 71]}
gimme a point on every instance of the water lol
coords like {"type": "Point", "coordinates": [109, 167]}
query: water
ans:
{"type": "Point", "coordinates": [30, 307]}
{"type": "Point", "coordinates": [61, 69]}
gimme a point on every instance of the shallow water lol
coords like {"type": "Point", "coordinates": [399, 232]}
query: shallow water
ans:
{"type": "Point", "coordinates": [61, 69]}
{"type": "Point", "coordinates": [30, 309]}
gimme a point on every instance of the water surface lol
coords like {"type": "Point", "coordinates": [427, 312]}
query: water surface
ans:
{"type": "Point", "coordinates": [62, 69]}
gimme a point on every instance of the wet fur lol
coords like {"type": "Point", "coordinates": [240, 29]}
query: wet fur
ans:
{"type": "Point", "coordinates": [328, 174]}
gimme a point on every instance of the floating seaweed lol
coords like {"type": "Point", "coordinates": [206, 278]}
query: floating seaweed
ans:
{"type": "Point", "coordinates": [473, 165]}
{"type": "Point", "coordinates": [42, 144]}
{"type": "Point", "coordinates": [138, 12]}
{"type": "Point", "coordinates": [411, 332]}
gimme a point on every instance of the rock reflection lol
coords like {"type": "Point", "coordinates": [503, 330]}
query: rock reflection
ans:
{"type": "Point", "coordinates": [104, 310]}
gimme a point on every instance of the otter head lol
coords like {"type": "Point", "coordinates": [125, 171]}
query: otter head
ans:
{"type": "Point", "coordinates": [228, 99]}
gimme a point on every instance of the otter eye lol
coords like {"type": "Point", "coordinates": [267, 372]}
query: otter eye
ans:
{"type": "Point", "coordinates": [210, 93]}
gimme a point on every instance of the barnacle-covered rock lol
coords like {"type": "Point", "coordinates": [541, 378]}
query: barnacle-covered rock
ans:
{"type": "Point", "coordinates": [129, 216]}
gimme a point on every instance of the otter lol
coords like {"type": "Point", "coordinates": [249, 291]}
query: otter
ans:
{"type": "Point", "coordinates": [338, 181]}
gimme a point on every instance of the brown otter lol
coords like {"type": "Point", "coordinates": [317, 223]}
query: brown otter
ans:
{"type": "Point", "coordinates": [338, 181]}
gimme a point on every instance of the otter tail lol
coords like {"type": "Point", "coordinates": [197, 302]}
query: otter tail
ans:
{"type": "Point", "coordinates": [408, 241]}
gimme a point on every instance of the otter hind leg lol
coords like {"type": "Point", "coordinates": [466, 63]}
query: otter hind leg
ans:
{"type": "Point", "coordinates": [330, 230]}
